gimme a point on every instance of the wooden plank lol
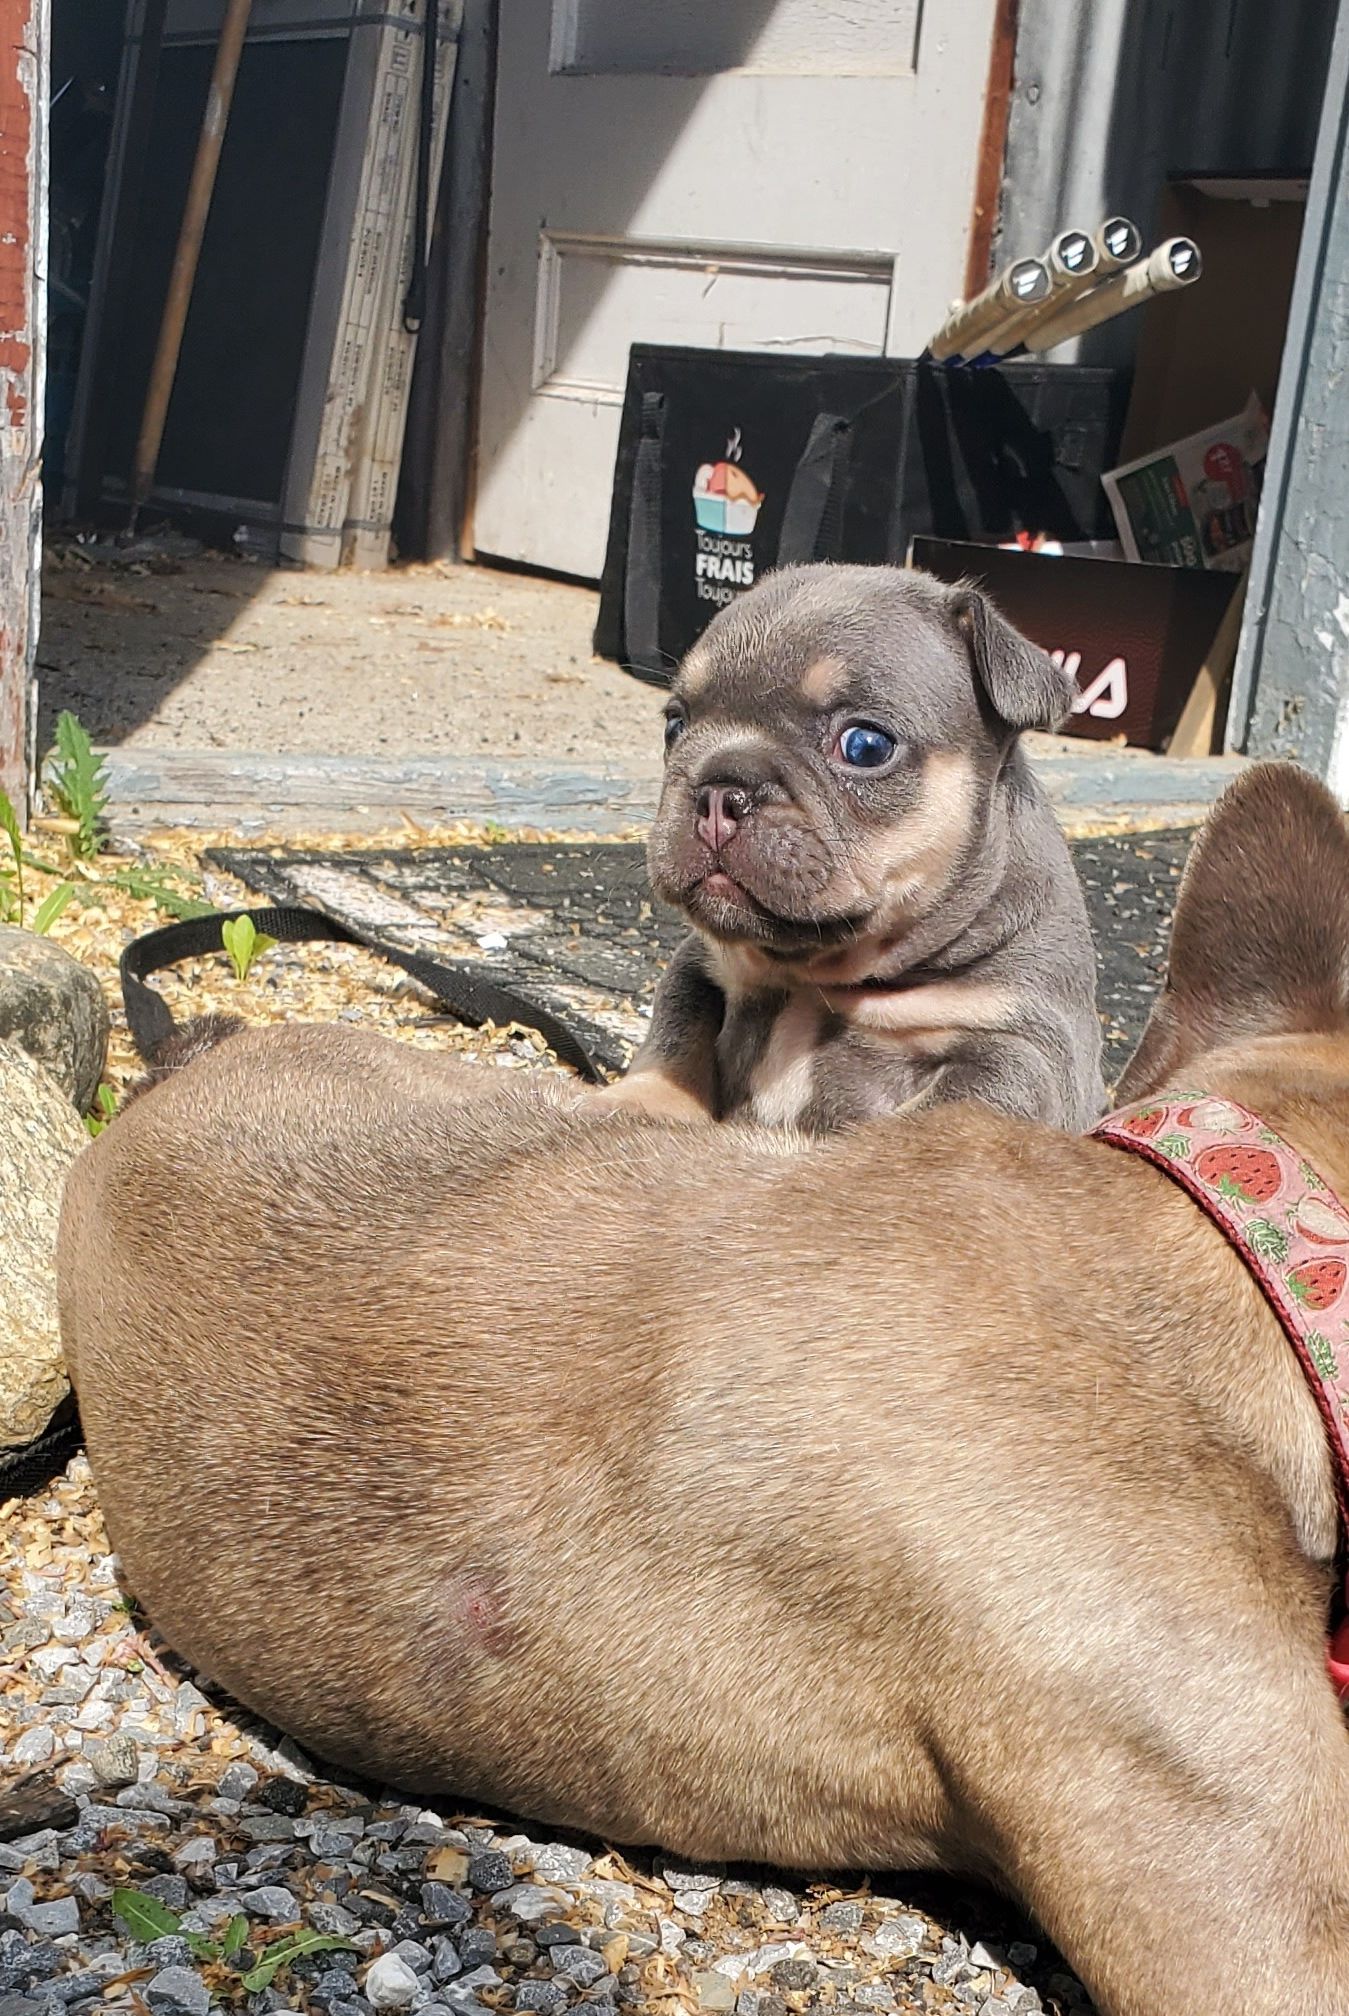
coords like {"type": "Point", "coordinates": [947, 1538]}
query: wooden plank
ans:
{"type": "Point", "coordinates": [374, 475]}
{"type": "Point", "coordinates": [338, 504]}
{"type": "Point", "coordinates": [24, 39]}
{"type": "Point", "coordinates": [341, 794]}
{"type": "Point", "coordinates": [1198, 731]}
{"type": "Point", "coordinates": [992, 147]}
{"type": "Point", "coordinates": [207, 788]}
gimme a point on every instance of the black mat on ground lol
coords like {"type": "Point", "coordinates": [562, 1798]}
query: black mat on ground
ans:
{"type": "Point", "coordinates": [576, 927]}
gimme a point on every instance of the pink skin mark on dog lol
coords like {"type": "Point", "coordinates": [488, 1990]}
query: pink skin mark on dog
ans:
{"type": "Point", "coordinates": [478, 1610]}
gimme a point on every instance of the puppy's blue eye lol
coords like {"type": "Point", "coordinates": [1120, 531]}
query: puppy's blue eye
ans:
{"type": "Point", "coordinates": [863, 748]}
{"type": "Point", "coordinates": [675, 724]}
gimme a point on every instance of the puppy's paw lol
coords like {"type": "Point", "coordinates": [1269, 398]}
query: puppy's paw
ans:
{"type": "Point", "coordinates": [654, 1096]}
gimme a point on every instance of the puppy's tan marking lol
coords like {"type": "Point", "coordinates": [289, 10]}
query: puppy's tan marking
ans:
{"type": "Point", "coordinates": [825, 683]}
{"type": "Point", "coordinates": [780, 1083]}
{"type": "Point", "coordinates": [939, 1009]}
{"type": "Point", "coordinates": [740, 969]}
{"type": "Point", "coordinates": [649, 1089]}
{"type": "Point", "coordinates": [917, 854]}
{"type": "Point", "coordinates": [695, 672]}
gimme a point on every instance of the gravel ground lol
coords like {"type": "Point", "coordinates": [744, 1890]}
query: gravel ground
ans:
{"type": "Point", "coordinates": [127, 1775]}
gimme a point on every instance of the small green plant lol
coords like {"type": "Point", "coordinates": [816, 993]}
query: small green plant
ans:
{"type": "Point", "coordinates": [243, 942]}
{"type": "Point", "coordinates": [494, 833]}
{"type": "Point", "coordinates": [155, 885]}
{"type": "Point", "coordinates": [51, 906]}
{"type": "Point", "coordinates": [105, 1110]}
{"type": "Point", "coordinates": [11, 879]}
{"type": "Point", "coordinates": [78, 781]}
{"type": "Point", "coordinates": [13, 895]}
{"type": "Point", "coordinates": [146, 1919]}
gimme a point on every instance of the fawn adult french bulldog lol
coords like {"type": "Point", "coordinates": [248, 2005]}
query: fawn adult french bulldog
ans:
{"type": "Point", "coordinates": [885, 911]}
{"type": "Point", "coordinates": [1013, 1516]}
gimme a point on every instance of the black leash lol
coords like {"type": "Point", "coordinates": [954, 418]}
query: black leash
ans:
{"type": "Point", "coordinates": [36, 1463]}
{"type": "Point", "coordinates": [461, 991]}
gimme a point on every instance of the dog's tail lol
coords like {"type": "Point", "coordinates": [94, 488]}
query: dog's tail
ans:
{"type": "Point", "coordinates": [192, 1040]}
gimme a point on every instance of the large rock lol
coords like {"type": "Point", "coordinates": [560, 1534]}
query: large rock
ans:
{"type": "Point", "coordinates": [40, 1136]}
{"type": "Point", "coordinates": [53, 1008]}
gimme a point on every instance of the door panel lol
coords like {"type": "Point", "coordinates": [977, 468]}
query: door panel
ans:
{"type": "Point", "coordinates": [728, 173]}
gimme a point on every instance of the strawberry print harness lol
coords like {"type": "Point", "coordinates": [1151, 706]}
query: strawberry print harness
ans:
{"type": "Point", "coordinates": [1293, 1234]}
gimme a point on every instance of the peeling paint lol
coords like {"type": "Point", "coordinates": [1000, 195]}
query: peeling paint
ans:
{"type": "Point", "coordinates": [23, 45]}
{"type": "Point", "coordinates": [1291, 683]}
{"type": "Point", "coordinates": [16, 163]}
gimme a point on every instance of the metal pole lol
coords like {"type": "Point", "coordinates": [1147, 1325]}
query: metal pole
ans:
{"type": "Point", "coordinates": [190, 234]}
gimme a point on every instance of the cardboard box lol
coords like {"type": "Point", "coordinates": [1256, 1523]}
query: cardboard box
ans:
{"type": "Point", "coordinates": [1133, 636]}
{"type": "Point", "coordinates": [1203, 349]}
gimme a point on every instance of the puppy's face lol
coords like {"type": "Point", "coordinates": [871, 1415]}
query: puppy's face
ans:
{"type": "Point", "coordinates": [832, 742]}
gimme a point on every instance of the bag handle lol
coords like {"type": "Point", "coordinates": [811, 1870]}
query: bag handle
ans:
{"type": "Point", "coordinates": [641, 575]}
{"type": "Point", "coordinates": [460, 990]}
{"type": "Point", "coordinates": [812, 519]}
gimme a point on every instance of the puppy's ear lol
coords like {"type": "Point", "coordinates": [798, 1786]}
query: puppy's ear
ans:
{"type": "Point", "coordinates": [1260, 943]}
{"type": "Point", "coordinates": [1024, 686]}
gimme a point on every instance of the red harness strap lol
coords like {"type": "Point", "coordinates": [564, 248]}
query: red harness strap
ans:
{"type": "Point", "coordinates": [1292, 1232]}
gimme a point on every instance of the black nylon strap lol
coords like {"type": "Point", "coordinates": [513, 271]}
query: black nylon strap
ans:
{"type": "Point", "coordinates": [460, 990]}
{"type": "Point", "coordinates": [641, 576]}
{"type": "Point", "coordinates": [23, 1470]}
{"type": "Point", "coordinates": [813, 514]}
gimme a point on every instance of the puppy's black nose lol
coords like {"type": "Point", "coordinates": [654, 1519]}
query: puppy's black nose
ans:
{"type": "Point", "coordinates": [721, 807]}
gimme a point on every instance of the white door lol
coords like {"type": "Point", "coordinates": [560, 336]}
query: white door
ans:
{"type": "Point", "coordinates": [792, 175]}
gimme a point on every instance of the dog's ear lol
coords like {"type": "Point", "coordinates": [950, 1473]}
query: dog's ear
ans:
{"type": "Point", "coordinates": [1260, 943]}
{"type": "Point", "coordinates": [1025, 688]}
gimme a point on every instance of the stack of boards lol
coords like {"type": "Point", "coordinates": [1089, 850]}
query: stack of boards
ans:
{"type": "Point", "coordinates": [342, 475]}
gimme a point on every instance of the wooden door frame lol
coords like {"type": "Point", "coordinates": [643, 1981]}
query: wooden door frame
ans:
{"type": "Point", "coordinates": [992, 155]}
{"type": "Point", "coordinates": [24, 54]}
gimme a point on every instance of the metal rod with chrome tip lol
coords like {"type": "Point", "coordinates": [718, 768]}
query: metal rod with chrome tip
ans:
{"type": "Point", "coordinates": [1024, 280]}
{"type": "Point", "coordinates": [1072, 260]}
{"type": "Point", "coordinates": [1175, 263]}
{"type": "Point", "coordinates": [191, 231]}
{"type": "Point", "coordinates": [1118, 243]}
{"type": "Point", "coordinates": [1069, 258]}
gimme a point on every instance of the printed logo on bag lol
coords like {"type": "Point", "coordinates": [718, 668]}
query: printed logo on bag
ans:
{"type": "Point", "coordinates": [1106, 696]}
{"type": "Point", "coordinates": [726, 503]}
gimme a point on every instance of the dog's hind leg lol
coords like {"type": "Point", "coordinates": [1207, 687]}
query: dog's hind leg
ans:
{"type": "Point", "coordinates": [1193, 1868]}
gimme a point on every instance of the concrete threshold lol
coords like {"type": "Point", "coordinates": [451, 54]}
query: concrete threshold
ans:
{"type": "Point", "coordinates": [253, 794]}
